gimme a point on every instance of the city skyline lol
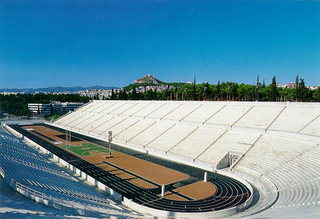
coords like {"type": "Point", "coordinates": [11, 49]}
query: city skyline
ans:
{"type": "Point", "coordinates": [112, 43]}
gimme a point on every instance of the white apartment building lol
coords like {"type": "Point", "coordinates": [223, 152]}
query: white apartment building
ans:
{"type": "Point", "coordinates": [53, 108]}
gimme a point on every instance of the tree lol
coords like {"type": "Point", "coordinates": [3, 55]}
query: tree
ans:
{"type": "Point", "coordinates": [297, 89]}
{"type": "Point", "coordinates": [133, 95]}
{"type": "Point", "coordinates": [96, 97]}
{"type": "Point", "coordinates": [18, 104]}
{"type": "Point", "coordinates": [149, 95]}
{"type": "Point", "coordinates": [257, 89]}
{"type": "Point", "coordinates": [194, 88]}
{"type": "Point", "coordinates": [302, 93]}
{"type": "Point", "coordinates": [123, 95]}
{"type": "Point", "coordinates": [207, 91]}
{"type": "Point", "coordinates": [274, 94]}
{"type": "Point", "coordinates": [305, 93]}
{"type": "Point", "coordinates": [113, 96]}
{"type": "Point", "coordinates": [234, 91]}
{"type": "Point", "coordinates": [316, 95]}
{"type": "Point", "coordinates": [218, 91]}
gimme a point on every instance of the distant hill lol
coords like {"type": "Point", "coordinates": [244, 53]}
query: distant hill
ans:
{"type": "Point", "coordinates": [55, 89]}
{"type": "Point", "coordinates": [148, 79]}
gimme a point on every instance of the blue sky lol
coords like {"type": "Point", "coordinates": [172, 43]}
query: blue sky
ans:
{"type": "Point", "coordinates": [112, 42]}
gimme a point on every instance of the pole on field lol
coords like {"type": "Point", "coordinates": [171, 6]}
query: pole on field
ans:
{"type": "Point", "coordinates": [205, 177]}
{"type": "Point", "coordinates": [66, 135]}
{"type": "Point", "coordinates": [162, 190]}
{"type": "Point", "coordinates": [110, 140]}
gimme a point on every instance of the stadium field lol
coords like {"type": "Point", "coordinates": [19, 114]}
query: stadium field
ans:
{"type": "Point", "coordinates": [138, 179]}
{"type": "Point", "coordinates": [85, 149]}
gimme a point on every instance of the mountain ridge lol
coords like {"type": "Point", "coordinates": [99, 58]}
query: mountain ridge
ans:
{"type": "Point", "coordinates": [148, 79]}
{"type": "Point", "coordinates": [57, 89]}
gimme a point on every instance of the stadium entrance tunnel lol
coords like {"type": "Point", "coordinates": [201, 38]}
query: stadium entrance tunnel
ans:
{"type": "Point", "coordinates": [229, 195]}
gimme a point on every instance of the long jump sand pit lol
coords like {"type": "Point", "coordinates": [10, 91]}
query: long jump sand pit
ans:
{"type": "Point", "coordinates": [137, 171]}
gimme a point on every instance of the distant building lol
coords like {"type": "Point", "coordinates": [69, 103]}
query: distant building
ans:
{"type": "Point", "coordinates": [293, 85]}
{"type": "Point", "coordinates": [53, 108]}
{"type": "Point", "coordinates": [101, 94]}
{"type": "Point", "coordinates": [67, 107]}
{"type": "Point", "coordinates": [40, 108]}
{"type": "Point", "coordinates": [313, 87]}
{"type": "Point", "coordinates": [57, 108]}
{"type": "Point", "coordinates": [289, 85]}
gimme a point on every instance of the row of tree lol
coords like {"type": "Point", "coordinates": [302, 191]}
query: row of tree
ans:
{"type": "Point", "coordinates": [18, 104]}
{"type": "Point", "coordinates": [229, 91]}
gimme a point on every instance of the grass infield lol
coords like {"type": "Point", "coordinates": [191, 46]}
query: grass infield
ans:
{"type": "Point", "coordinates": [85, 149]}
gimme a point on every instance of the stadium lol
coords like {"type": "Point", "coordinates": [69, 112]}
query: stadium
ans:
{"type": "Point", "coordinates": [171, 159]}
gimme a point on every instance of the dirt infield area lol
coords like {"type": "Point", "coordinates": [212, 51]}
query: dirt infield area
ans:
{"type": "Point", "coordinates": [137, 171]}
